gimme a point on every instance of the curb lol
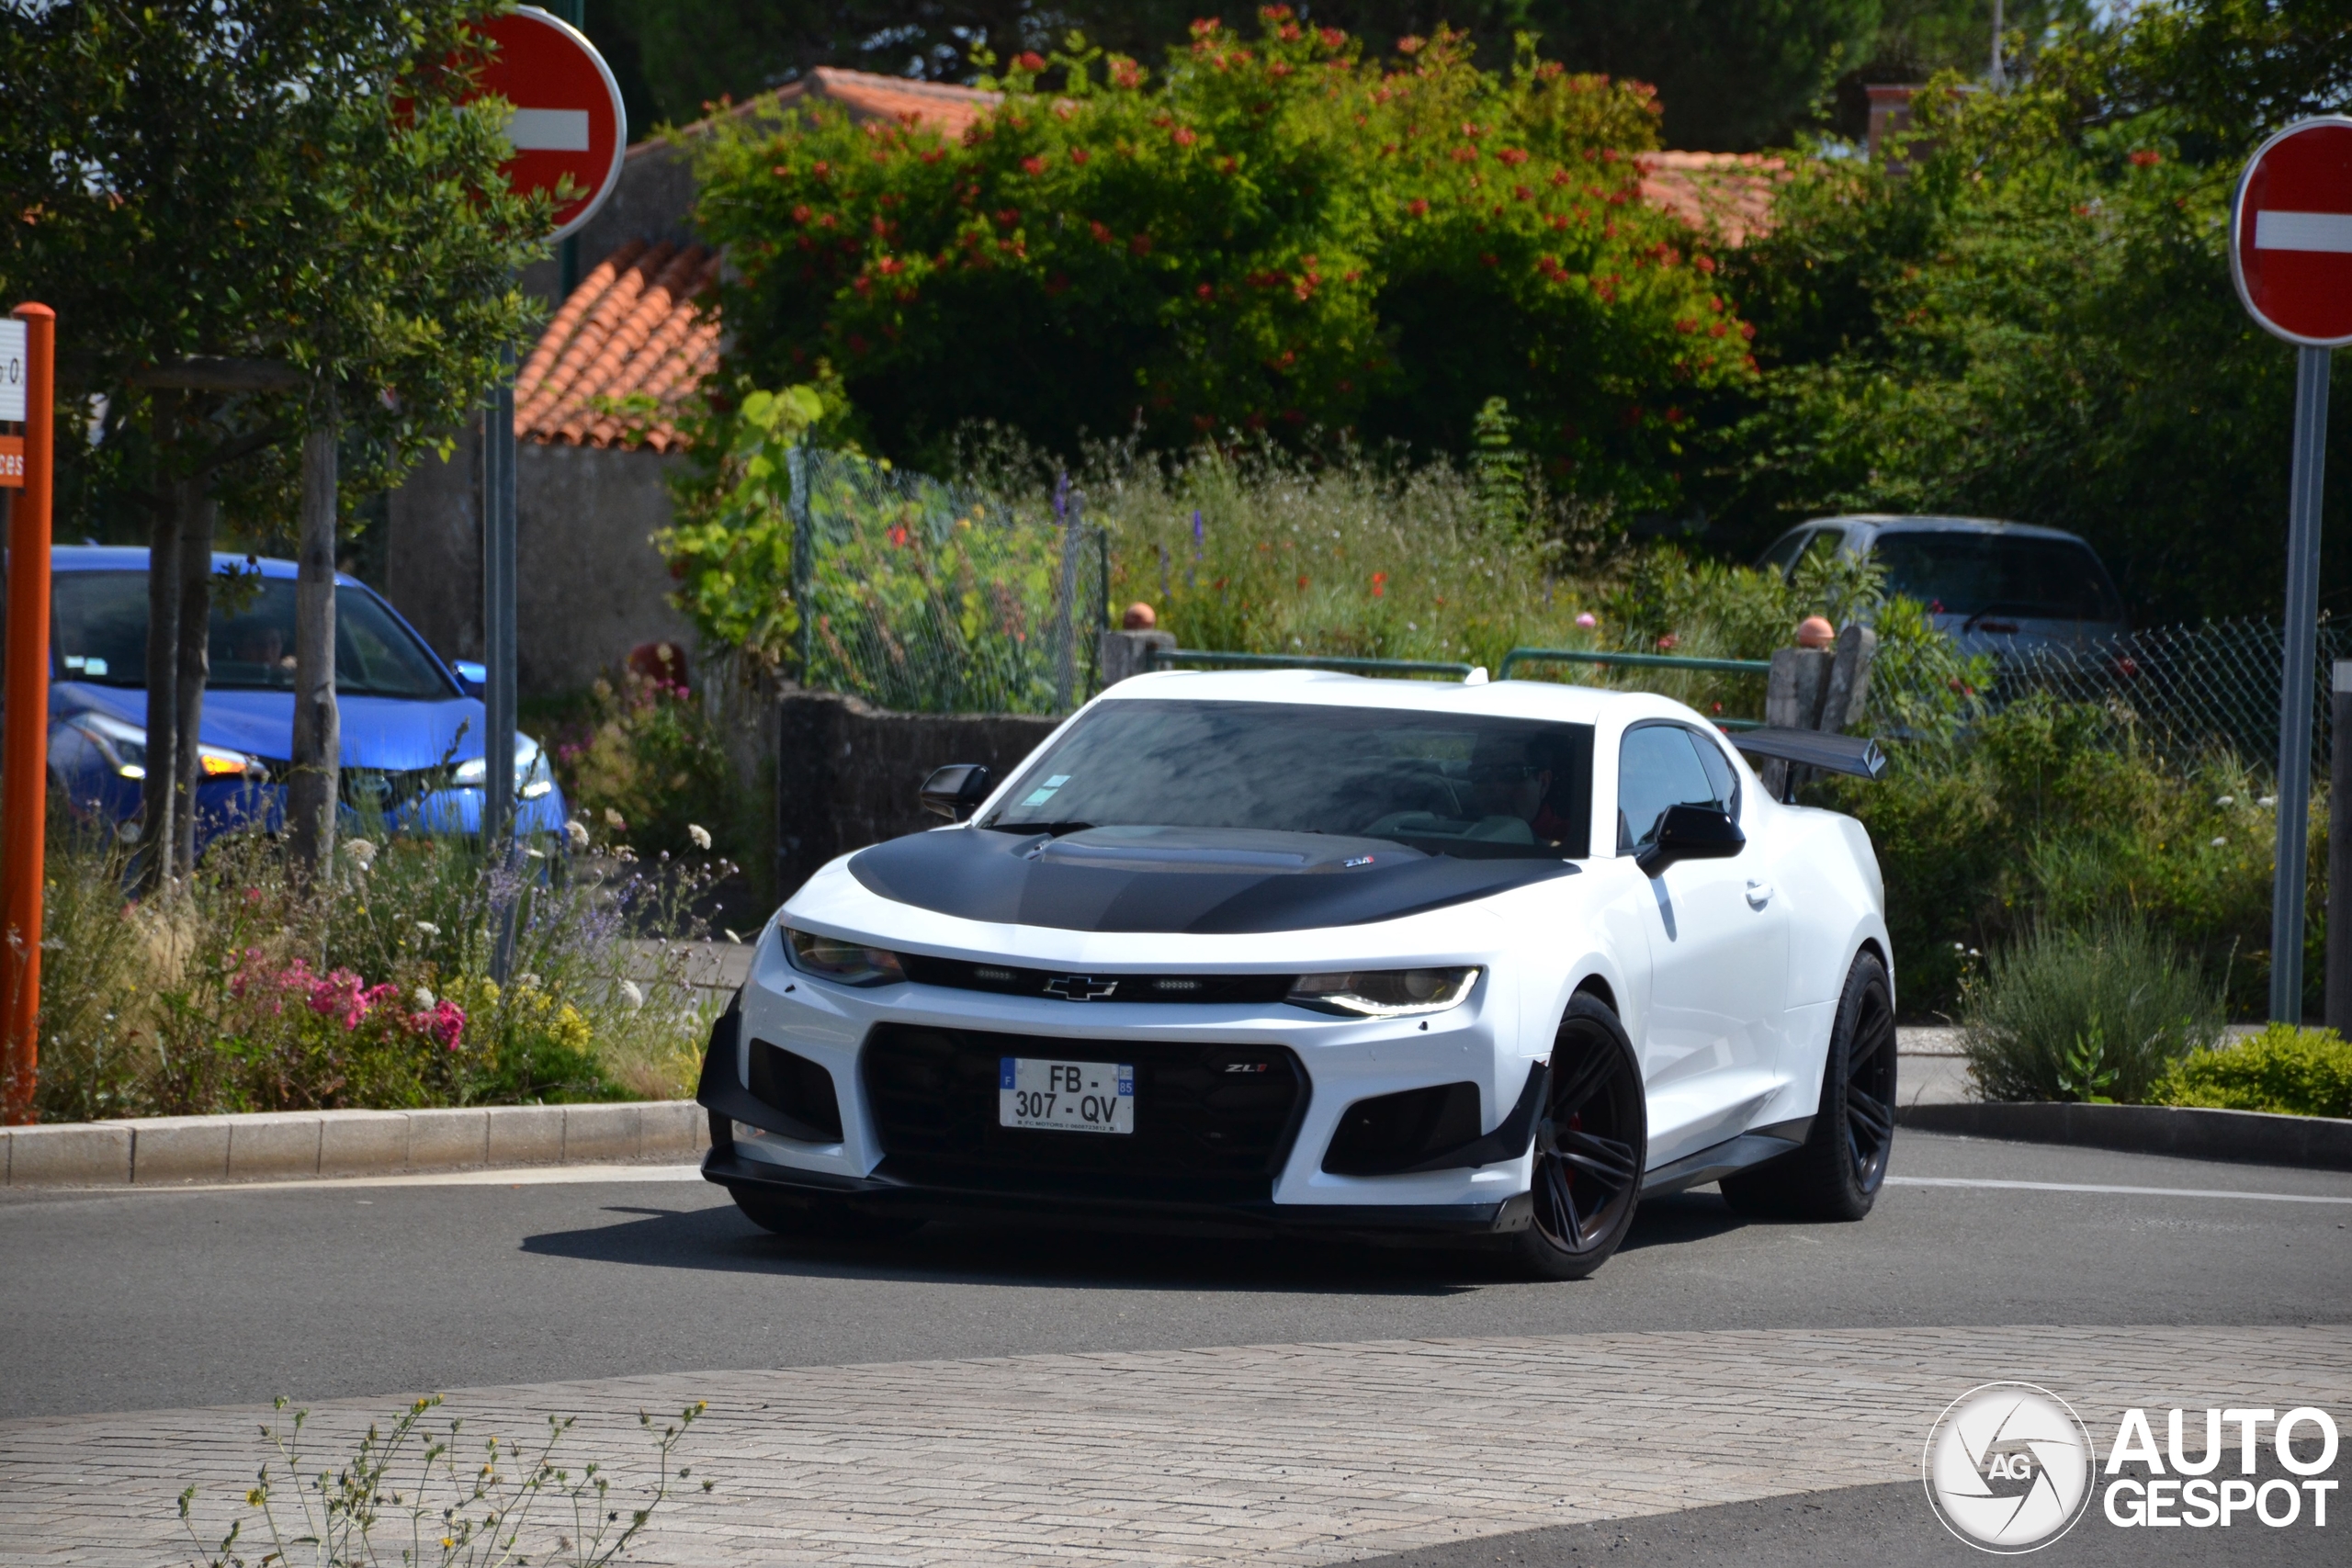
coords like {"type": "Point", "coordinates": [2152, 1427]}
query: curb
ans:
{"type": "Point", "coordinates": [276, 1145]}
{"type": "Point", "coordinates": [2259, 1137]}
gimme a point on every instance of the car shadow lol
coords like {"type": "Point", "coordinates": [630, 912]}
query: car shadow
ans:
{"type": "Point", "coordinates": [717, 1239]}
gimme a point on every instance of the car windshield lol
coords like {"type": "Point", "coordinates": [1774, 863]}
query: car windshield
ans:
{"type": "Point", "coordinates": [1960, 574]}
{"type": "Point", "coordinates": [1446, 785]}
{"type": "Point", "coordinates": [99, 619]}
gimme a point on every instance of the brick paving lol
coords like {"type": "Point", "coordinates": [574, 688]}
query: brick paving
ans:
{"type": "Point", "coordinates": [1293, 1454]}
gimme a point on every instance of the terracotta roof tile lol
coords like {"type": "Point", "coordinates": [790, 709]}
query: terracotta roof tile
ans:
{"type": "Point", "coordinates": [634, 326]}
{"type": "Point", "coordinates": [1727, 194]}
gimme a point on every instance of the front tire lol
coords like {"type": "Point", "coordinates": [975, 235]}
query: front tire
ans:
{"type": "Point", "coordinates": [1591, 1142]}
{"type": "Point", "coordinates": [1839, 1171]}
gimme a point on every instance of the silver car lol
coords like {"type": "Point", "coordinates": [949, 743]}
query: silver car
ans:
{"type": "Point", "coordinates": [1996, 587]}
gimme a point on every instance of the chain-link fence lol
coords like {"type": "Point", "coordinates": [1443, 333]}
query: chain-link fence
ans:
{"type": "Point", "coordinates": [2181, 692]}
{"type": "Point", "coordinates": [930, 597]}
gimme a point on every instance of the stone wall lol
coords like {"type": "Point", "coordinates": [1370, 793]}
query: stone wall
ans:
{"type": "Point", "coordinates": [588, 585]}
{"type": "Point", "coordinates": [847, 771]}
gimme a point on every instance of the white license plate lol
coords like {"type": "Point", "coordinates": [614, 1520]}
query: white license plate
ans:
{"type": "Point", "coordinates": [1065, 1097]}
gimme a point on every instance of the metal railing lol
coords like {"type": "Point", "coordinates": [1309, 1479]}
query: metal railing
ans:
{"type": "Point", "coordinates": [1631, 661]}
{"type": "Point", "coordinates": [1167, 657]}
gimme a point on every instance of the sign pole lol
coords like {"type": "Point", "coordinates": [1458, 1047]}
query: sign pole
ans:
{"type": "Point", "coordinates": [24, 750]}
{"type": "Point", "coordinates": [498, 605]}
{"type": "Point", "coordinates": [2295, 693]}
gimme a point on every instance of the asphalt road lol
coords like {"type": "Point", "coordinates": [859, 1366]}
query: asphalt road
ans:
{"type": "Point", "coordinates": [160, 1300]}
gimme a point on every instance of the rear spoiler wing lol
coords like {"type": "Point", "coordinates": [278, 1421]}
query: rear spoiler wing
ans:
{"type": "Point", "coordinates": [1855, 755]}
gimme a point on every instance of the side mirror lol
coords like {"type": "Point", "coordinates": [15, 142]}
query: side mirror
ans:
{"type": "Point", "coordinates": [956, 790]}
{"type": "Point", "coordinates": [473, 676]}
{"type": "Point", "coordinates": [1692, 832]}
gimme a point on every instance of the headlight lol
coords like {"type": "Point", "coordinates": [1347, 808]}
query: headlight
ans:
{"type": "Point", "coordinates": [532, 779]}
{"type": "Point", "coordinates": [124, 746]}
{"type": "Point", "coordinates": [1384, 993]}
{"type": "Point", "coordinates": [843, 963]}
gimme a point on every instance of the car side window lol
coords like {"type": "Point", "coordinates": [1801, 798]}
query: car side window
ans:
{"type": "Point", "coordinates": [1720, 774]}
{"type": "Point", "coordinates": [1783, 556]}
{"type": "Point", "coordinates": [1657, 767]}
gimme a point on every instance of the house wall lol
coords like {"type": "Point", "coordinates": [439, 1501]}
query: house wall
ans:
{"type": "Point", "coordinates": [589, 586]}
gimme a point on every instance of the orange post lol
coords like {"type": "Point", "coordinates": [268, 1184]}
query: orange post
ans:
{"type": "Point", "coordinates": [24, 749]}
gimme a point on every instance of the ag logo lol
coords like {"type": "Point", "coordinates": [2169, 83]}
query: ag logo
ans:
{"type": "Point", "coordinates": [2009, 1467]}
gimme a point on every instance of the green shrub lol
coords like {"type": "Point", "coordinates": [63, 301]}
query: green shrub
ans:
{"type": "Point", "coordinates": [2085, 1014]}
{"type": "Point", "coordinates": [1275, 235]}
{"type": "Point", "coordinates": [243, 989]}
{"type": "Point", "coordinates": [2301, 1072]}
{"type": "Point", "coordinates": [644, 764]}
{"type": "Point", "coordinates": [2050, 812]}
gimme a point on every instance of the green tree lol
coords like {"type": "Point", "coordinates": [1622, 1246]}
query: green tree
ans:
{"type": "Point", "coordinates": [2037, 321]}
{"type": "Point", "coordinates": [1276, 236]}
{"type": "Point", "coordinates": [254, 217]}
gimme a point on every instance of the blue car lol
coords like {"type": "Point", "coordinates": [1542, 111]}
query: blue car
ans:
{"type": "Point", "coordinates": [413, 726]}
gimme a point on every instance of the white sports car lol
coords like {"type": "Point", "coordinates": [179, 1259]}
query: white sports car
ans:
{"type": "Point", "coordinates": [1310, 950]}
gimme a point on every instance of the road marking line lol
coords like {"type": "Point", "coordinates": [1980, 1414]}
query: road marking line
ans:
{"type": "Point", "coordinates": [2092, 1187]}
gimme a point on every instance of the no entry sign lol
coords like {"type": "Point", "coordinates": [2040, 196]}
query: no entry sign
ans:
{"type": "Point", "coordinates": [2290, 234]}
{"type": "Point", "coordinates": [568, 118]}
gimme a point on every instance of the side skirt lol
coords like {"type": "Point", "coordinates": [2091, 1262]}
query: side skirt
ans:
{"type": "Point", "coordinates": [1751, 1148]}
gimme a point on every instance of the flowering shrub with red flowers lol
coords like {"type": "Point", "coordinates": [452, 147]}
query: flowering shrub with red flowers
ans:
{"type": "Point", "coordinates": [297, 1038]}
{"type": "Point", "coordinates": [1273, 234]}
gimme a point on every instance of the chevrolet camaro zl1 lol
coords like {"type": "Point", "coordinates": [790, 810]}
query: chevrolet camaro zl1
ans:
{"type": "Point", "coordinates": [1314, 952]}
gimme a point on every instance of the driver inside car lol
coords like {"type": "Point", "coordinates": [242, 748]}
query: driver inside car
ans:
{"type": "Point", "coordinates": [1510, 778]}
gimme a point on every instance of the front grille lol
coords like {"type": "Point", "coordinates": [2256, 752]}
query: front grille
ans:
{"type": "Point", "coordinates": [1076, 985]}
{"type": "Point", "coordinates": [1213, 1123]}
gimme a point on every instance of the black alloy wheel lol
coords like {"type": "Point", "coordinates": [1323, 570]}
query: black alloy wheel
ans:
{"type": "Point", "coordinates": [1591, 1140]}
{"type": "Point", "coordinates": [1837, 1172]}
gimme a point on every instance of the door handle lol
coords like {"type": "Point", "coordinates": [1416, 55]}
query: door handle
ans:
{"type": "Point", "coordinates": [1759, 893]}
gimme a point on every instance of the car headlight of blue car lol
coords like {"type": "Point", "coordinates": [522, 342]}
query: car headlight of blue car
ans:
{"type": "Point", "coordinates": [532, 777]}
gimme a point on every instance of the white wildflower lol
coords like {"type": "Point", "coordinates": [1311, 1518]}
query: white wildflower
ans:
{"type": "Point", "coordinates": [527, 982]}
{"type": "Point", "coordinates": [361, 852]}
{"type": "Point", "coordinates": [700, 834]}
{"type": "Point", "coordinates": [424, 997]}
{"type": "Point", "coordinates": [614, 820]}
{"type": "Point", "coordinates": [428, 928]}
{"type": "Point", "coordinates": [2219, 842]}
{"type": "Point", "coordinates": [631, 995]}
{"type": "Point", "coordinates": [730, 935]}
{"type": "Point", "coordinates": [577, 831]}
{"type": "Point", "coordinates": [2267, 801]}
{"type": "Point", "coordinates": [2225, 800]}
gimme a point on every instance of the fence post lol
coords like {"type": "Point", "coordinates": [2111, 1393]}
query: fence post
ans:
{"type": "Point", "coordinates": [1066, 603]}
{"type": "Point", "coordinates": [804, 555]}
{"type": "Point", "coordinates": [2338, 1005]}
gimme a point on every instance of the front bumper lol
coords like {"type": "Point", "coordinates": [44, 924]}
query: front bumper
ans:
{"type": "Point", "coordinates": [868, 1141]}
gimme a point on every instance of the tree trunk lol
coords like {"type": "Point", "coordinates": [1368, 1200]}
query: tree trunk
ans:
{"type": "Point", "coordinates": [195, 661]}
{"type": "Point", "coordinates": [312, 789]}
{"type": "Point", "coordinates": [159, 792]}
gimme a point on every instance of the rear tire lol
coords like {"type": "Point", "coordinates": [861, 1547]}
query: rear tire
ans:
{"type": "Point", "coordinates": [1839, 1171]}
{"type": "Point", "coordinates": [818, 1216]}
{"type": "Point", "coordinates": [1591, 1143]}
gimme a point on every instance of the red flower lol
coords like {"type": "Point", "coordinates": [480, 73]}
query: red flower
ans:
{"type": "Point", "coordinates": [1332, 38]}
{"type": "Point", "coordinates": [1078, 156]}
{"type": "Point", "coordinates": [1417, 208]}
{"type": "Point", "coordinates": [821, 169]}
{"type": "Point", "coordinates": [1513, 156]}
{"type": "Point", "coordinates": [1032, 166]}
{"type": "Point", "coordinates": [1379, 584]}
{"type": "Point", "coordinates": [1665, 644]}
{"type": "Point", "coordinates": [2146, 158]}
{"type": "Point", "coordinates": [1030, 60]}
{"type": "Point", "coordinates": [800, 213]}
{"type": "Point", "coordinates": [1302, 583]}
{"type": "Point", "coordinates": [1185, 136]}
{"type": "Point", "coordinates": [1206, 291]}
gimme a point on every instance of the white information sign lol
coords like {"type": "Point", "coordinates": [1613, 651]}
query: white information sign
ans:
{"type": "Point", "coordinates": [12, 371]}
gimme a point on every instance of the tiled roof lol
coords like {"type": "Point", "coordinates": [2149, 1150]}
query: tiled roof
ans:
{"type": "Point", "coordinates": [1728, 194]}
{"type": "Point", "coordinates": [633, 327]}
{"type": "Point", "coordinates": [866, 95]}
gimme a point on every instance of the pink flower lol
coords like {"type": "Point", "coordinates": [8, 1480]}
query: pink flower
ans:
{"type": "Point", "coordinates": [1587, 620]}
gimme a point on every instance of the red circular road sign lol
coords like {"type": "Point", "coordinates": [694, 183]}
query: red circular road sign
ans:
{"type": "Point", "coordinates": [2290, 234]}
{"type": "Point", "coordinates": [567, 116]}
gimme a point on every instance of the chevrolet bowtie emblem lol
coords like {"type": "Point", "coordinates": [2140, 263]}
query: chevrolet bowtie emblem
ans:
{"type": "Point", "coordinates": [1080, 988]}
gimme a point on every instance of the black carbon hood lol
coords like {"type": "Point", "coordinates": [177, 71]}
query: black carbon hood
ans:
{"type": "Point", "coordinates": [1179, 880]}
